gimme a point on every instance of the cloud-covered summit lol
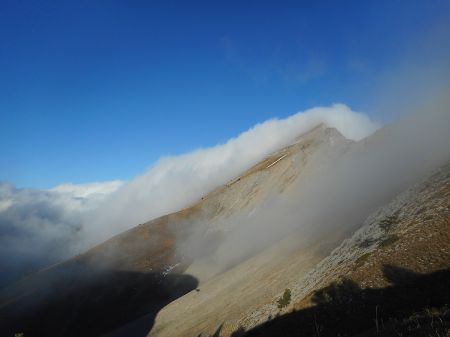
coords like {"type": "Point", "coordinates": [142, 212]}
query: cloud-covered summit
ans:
{"type": "Point", "coordinates": [39, 227]}
{"type": "Point", "coordinates": [176, 182]}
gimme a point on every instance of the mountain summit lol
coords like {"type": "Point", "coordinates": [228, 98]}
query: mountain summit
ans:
{"type": "Point", "coordinates": [291, 224]}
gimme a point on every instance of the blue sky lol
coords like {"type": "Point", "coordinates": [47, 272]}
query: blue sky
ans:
{"type": "Point", "coordinates": [93, 91]}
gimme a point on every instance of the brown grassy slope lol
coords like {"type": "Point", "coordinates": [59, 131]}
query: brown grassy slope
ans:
{"type": "Point", "coordinates": [398, 265]}
{"type": "Point", "coordinates": [409, 234]}
{"type": "Point", "coordinates": [132, 275]}
{"type": "Point", "coordinates": [412, 232]}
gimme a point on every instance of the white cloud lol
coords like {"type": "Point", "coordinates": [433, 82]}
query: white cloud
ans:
{"type": "Point", "coordinates": [88, 190]}
{"type": "Point", "coordinates": [84, 197]}
{"type": "Point", "coordinates": [47, 225]}
{"type": "Point", "coordinates": [39, 227]}
{"type": "Point", "coordinates": [176, 182]}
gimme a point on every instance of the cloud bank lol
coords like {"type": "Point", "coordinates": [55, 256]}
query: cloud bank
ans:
{"type": "Point", "coordinates": [39, 227]}
{"type": "Point", "coordinates": [336, 196]}
{"type": "Point", "coordinates": [174, 183]}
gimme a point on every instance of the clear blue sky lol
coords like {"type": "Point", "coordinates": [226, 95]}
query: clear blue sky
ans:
{"type": "Point", "coordinates": [99, 90]}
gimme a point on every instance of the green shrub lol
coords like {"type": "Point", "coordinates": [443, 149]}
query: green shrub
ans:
{"type": "Point", "coordinates": [390, 240]}
{"type": "Point", "coordinates": [388, 222]}
{"type": "Point", "coordinates": [360, 260]}
{"type": "Point", "coordinates": [285, 299]}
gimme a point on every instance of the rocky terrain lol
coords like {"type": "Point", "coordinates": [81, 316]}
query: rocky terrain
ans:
{"type": "Point", "coordinates": [410, 236]}
{"type": "Point", "coordinates": [410, 233]}
{"type": "Point", "coordinates": [187, 274]}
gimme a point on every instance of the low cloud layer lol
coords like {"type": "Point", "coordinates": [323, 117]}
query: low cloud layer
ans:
{"type": "Point", "coordinates": [174, 183]}
{"type": "Point", "coordinates": [39, 227]}
{"type": "Point", "coordinates": [337, 195]}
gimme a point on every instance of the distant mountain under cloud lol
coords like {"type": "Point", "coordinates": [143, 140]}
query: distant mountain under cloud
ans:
{"type": "Point", "coordinates": [40, 227]}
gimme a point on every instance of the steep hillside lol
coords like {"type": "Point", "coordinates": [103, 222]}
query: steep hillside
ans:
{"type": "Point", "coordinates": [352, 246]}
{"type": "Point", "coordinates": [134, 274]}
{"type": "Point", "coordinates": [396, 248]}
{"type": "Point", "coordinates": [407, 237]}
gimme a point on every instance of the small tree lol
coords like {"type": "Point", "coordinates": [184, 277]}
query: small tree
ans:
{"type": "Point", "coordinates": [285, 299]}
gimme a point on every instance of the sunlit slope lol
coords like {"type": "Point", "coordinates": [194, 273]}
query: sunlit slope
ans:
{"type": "Point", "coordinates": [395, 265]}
{"type": "Point", "coordinates": [318, 211]}
{"type": "Point", "coordinates": [411, 232]}
{"type": "Point", "coordinates": [365, 176]}
{"type": "Point", "coordinates": [111, 276]}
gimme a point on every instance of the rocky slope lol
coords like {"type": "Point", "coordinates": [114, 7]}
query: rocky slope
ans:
{"type": "Point", "coordinates": [132, 275]}
{"type": "Point", "coordinates": [412, 233]}
{"type": "Point", "coordinates": [184, 274]}
{"type": "Point", "coordinates": [409, 236]}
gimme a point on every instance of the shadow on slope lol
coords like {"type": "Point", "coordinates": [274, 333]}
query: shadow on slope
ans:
{"type": "Point", "coordinates": [93, 302]}
{"type": "Point", "coordinates": [405, 308]}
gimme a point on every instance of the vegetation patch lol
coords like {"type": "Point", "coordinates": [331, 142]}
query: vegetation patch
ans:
{"type": "Point", "coordinates": [429, 322]}
{"type": "Point", "coordinates": [428, 217]}
{"type": "Point", "coordinates": [412, 305]}
{"type": "Point", "coordinates": [421, 210]}
{"type": "Point", "coordinates": [390, 240]}
{"type": "Point", "coordinates": [388, 222]}
{"type": "Point", "coordinates": [284, 300]}
{"type": "Point", "coordinates": [360, 260]}
{"type": "Point", "coordinates": [367, 243]}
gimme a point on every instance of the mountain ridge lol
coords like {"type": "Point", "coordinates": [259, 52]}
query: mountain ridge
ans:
{"type": "Point", "coordinates": [157, 277]}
